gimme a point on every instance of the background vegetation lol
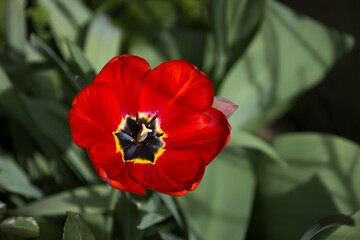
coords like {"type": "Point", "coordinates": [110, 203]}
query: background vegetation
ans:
{"type": "Point", "coordinates": [273, 181]}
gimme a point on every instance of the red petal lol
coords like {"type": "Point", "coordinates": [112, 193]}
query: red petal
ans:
{"type": "Point", "coordinates": [175, 88]}
{"type": "Point", "coordinates": [182, 167]}
{"type": "Point", "coordinates": [177, 194]}
{"type": "Point", "coordinates": [148, 176]}
{"type": "Point", "coordinates": [116, 173]}
{"type": "Point", "coordinates": [207, 133]}
{"type": "Point", "coordinates": [125, 74]}
{"type": "Point", "coordinates": [95, 115]}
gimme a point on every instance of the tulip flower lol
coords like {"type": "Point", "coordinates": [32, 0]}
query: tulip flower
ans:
{"type": "Point", "coordinates": [150, 129]}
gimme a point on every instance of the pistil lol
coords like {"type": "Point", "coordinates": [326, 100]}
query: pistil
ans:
{"type": "Point", "coordinates": [143, 133]}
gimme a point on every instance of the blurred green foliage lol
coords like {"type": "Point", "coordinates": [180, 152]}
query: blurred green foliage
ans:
{"type": "Point", "coordinates": [259, 53]}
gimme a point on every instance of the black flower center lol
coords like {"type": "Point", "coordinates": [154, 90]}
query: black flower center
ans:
{"type": "Point", "coordinates": [140, 139]}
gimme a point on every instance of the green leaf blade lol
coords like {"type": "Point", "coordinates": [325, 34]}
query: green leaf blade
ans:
{"type": "Point", "coordinates": [13, 179]}
{"type": "Point", "coordinates": [267, 75]}
{"type": "Point", "coordinates": [213, 210]}
{"type": "Point", "coordinates": [103, 41]}
{"type": "Point", "coordinates": [91, 199]}
{"type": "Point", "coordinates": [75, 228]}
{"type": "Point", "coordinates": [151, 219]}
{"type": "Point", "coordinates": [323, 174]}
{"type": "Point", "coordinates": [26, 227]}
{"type": "Point", "coordinates": [247, 140]}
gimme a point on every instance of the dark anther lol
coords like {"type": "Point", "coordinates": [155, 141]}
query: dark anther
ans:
{"type": "Point", "coordinates": [152, 120]}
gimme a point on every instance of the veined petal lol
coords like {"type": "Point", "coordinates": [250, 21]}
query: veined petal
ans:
{"type": "Point", "coordinates": [207, 133]}
{"type": "Point", "coordinates": [86, 132]}
{"type": "Point", "coordinates": [95, 114]}
{"type": "Point", "coordinates": [147, 175]}
{"type": "Point", "coordinates": [183, 167]}
{"type": "Point", "coordinates": [125, 74]}
{"type": "Point", "coordinates": [115, 172]}
{"type": "Point", "coordinates": [175, 89]}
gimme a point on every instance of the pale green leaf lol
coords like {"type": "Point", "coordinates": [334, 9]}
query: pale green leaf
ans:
{"type": "Point", "coordinates": [16, 31]}
{"type": "Point", "coordinates": [76, 10]}
{"type": "Point", "coordinates": [89, 199]}
{"type": "Point", "coordinates": [26, 227]}
{"type": "Point", "coordinates": [149, 52]}
{"type": "Point", "coordinates": [14, 180]}
{"type": "Point", "coordinates": [81, 60]}
{"type": "Point", "coordinates": [220, 207]}
{"type": "Point", "coordinates": [61, 25]}
{"type": "Point", "coordinates": [247, 140]}
{"type": "Point", "coordinates": [102, 42]}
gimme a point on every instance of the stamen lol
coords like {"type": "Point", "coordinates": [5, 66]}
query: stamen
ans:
{"type": "Point", "coordinates": [143, 133]}
{"type": "Point", "coordinates": [152, 120]}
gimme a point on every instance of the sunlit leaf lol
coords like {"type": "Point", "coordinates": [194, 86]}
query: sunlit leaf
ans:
{"type": "Point", "coordinates": [78, 12]}
{"type": "Point", "coordinates": [61, 25]}
{"type": "Point", "coordinates": [149, 52]}
{"type": "Point", "coordinates": [16, 27]}
{"type": "Point", "coordinates": [66, 18]}
{"type": "Point", "coordinates": [268, 75]}
{"type": "Point", "coordinates": [220, 207]}
{"type": "Point", "coordinates": [90, 199]}
{"type": "Point", "coordinates": [26, 227]}
{"type": "Point", "coordinates": [320, 181]}
{"type": "Point", "coordinates": [83, 63]}
{"type": "Point", "coordinates": [75, 228]}
{"type": "Point", "coordinates": [247, 140]}
{"type": "Point", "coordinates": [14, 180]}
{"type": "Point", "coordinates": [102, 42]}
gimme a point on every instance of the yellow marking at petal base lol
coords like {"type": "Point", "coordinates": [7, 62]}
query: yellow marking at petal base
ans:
{"type": "Point", "coordinates": [117, 143]}
{"type": "Point", "coordinates": [145, 161]}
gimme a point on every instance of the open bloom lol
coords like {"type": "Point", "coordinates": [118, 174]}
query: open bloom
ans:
{"type": "Point", "coordinates": [146, 128]}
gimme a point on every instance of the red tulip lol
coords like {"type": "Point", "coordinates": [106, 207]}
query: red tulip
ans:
{"type": "Point", "coordinates": [146, 128]}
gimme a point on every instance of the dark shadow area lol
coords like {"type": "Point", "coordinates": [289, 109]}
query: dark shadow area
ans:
{"type": "Point", "coordinates": [333, 106]}
{"type": "Point", "coordinates": [288, 216]}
